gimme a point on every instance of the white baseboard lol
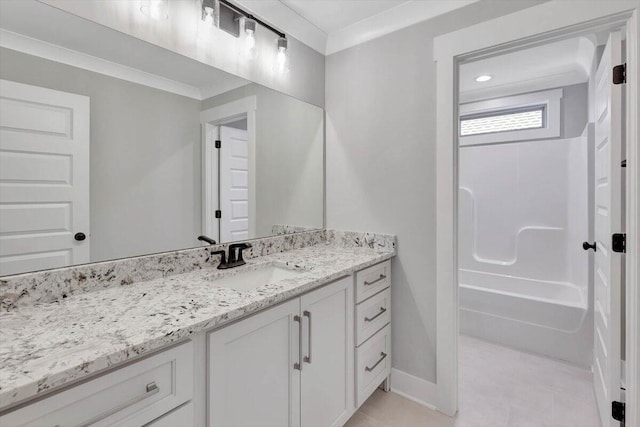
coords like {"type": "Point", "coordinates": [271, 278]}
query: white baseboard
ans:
{"type": "Point", "coordinates": [421, 391]}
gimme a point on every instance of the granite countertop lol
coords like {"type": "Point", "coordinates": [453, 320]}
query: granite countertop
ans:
{"type": "Point", "coordinates": [51, 344]}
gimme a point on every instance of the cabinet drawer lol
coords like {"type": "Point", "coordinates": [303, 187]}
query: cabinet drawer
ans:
{"type": "Point", "coordinates": [372, 280]}
{"type": "Point", "coordinates": [133, 395]}
{"type": "Point", "coordinates": [373, 364]}
{"type": "Point", "coordinates": [182, 416]}
{"type": "Point", "coordinates": [372, 315]}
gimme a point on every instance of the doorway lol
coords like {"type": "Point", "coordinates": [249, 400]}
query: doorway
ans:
{"type": "Point", "coordinates": [539, 177]}
{"type": "Point", "coordinates": [531, 29]}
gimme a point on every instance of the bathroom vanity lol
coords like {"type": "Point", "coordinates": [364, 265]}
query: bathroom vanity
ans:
{"type": "Point", "coordinates": [298, 336]}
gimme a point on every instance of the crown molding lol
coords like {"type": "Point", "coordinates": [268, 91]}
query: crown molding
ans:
{"type": "Point", "coordinates": [394, 19]}
{"type": "Point", "coordinates": [52, 52]}
{"type": "Point", "coordinates": [567, 78]}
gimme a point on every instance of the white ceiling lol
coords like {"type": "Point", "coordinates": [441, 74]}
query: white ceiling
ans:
{"type": "Point", "coordinates": [329, 26]}
{"type": "Point", "coordinates": [551, 65]}
{"type": "Point", "coordinates": [333, 15]}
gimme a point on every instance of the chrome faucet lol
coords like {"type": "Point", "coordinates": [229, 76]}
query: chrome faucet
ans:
{"type": "Point", "coordinates": [232, 260]}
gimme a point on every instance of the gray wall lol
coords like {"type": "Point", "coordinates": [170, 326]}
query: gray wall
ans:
{"type": "Point", "coordinates": [144, 158]}
{"type": "Point", "coordinates": [381, 102]}
{"type": "Point", "coordinates": [289, 158]}
{"type": "Point", "coordinates": [575, 110]}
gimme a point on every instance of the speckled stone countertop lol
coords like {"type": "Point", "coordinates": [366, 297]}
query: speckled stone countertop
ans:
{"type": "Point", "coordinates": [47, 345]}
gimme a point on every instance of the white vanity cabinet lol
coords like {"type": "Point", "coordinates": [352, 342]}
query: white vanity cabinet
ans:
{"type": "Point", "coordinates": [135, 395]}
{"type": "Point", "coordinates": [373, 329]}
{"type": "Point", "coordinates": [290, 365]}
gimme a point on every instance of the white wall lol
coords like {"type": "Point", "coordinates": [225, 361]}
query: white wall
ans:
{"type": "Point", "coordinates": [289, 158]}
{"type": "Point", "coordinates": [380, 102]}
{"type": "Point", "coordinates": [523, 209]}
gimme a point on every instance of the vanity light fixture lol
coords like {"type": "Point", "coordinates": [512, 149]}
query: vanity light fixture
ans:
{"type": "Point", "coordinates": [228, 17]}
{"type": "Point", "coordinates": [155, 9]}
{"type": "Point", "coordinates": [483, 78]}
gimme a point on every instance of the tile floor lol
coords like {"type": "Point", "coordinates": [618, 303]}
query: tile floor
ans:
{"type": "Point", "coordinates": [499, 387]}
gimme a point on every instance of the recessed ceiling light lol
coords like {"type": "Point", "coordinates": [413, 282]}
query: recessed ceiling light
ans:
{"type": "Point", "coordinates": [483, 78]}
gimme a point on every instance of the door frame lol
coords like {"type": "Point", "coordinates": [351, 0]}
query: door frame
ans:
{"type": "Point", "coordinates": [535, 25]}
{"type": "Point", "coordinates": [210, 118]}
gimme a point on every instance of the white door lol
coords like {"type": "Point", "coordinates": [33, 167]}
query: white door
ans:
{"type": "Point", "coordinates": [234, 184]}
{"type": "Point", "coordinates": [327, 370]}
{"type": "Point", "coordinates": [44, 178]}
{"type": "Point", "coordinates": [608, 217]}
{"type": "Point", "coordinates": [252, 378]}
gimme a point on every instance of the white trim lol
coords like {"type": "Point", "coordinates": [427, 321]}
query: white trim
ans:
{"type": "Point", "coordinates": [413, 388]}
{"type": "Point", "coordinates": [551, 100]}
{"type": "Point", "coordinates": [52, 52]}
{"type": "Point", "coordinates": [532, 85]}
{"type": "Point", "coordinates": [219, 115]}
{"type": "Point", "coordinates": [531, 26]}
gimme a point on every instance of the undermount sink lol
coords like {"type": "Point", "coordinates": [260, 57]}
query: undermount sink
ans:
{"type": "Point", "coordinates": [249, 280]}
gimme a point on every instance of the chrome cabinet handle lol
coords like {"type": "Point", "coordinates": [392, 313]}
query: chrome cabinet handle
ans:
{"type": "Point", "coordinates": [308, 315]}
{"type": "Point", "coordinates": [298, 365]}
{"type": "Point", "coordinates": [383, 355]}
{"type": "Point", "coordinates": [152, 389]}
{"type": "Point", "coordinates": [382, 277]}
{"type": "Point", "coordinates": [371, 319]}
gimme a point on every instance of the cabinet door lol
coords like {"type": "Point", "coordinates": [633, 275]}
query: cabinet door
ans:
{"type": "Point", "coordinates": [252, 380]}
{"type": "Point", "coordinates": [327, 382]}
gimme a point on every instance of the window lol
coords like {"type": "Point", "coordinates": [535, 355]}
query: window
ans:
{"type": "Point", "coordinates": [523, 117]}
{"type": "Point", "coordinates": [503, 121]}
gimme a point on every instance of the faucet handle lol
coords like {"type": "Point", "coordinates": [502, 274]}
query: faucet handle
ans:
{"type": "Point", "coordinates": [241, 248]}
{"type": "Point", "coordinates": [223, 259]}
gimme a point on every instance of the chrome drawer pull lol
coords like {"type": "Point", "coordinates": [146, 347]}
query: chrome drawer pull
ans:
{"type": "Point", "coordinates": [371, 319]}
{"type": "Point", "coordinates": [382, 277]}
{"type": "Point", "coordinates": [152, 389]}
{"type": "Point", "coordinates": [383, 356]}
{"type": "Point", "coordinates": [298, 365]}
{"type": "Point", "coordinates": [308, 314]}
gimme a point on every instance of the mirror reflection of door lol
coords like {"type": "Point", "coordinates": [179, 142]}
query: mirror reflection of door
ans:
{"type": "Point", "coordinates": [234, 181]}
{"type": "Point", "coordinates": [44, 178]}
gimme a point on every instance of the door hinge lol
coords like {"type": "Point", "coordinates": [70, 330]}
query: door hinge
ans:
{"type": "Point", "coordinates": [218, 214]}
{"type": "Point", "coordinates": [620, 74]}
{"type": "Point", "coordinates": [619, 242]}
{"type": "Point", "coordinates": [617, 411]}
{"type": "Point", "coordinates": [218, 143]}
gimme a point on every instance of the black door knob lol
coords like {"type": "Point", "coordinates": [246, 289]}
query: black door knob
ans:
{"type": "Point", "coordinates": [586, 246]}
{"type": "Point", "coordinates": [80, 237]}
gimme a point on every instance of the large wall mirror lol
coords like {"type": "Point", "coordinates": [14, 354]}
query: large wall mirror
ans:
{"type": "Point", "coordinates": [111, 147]}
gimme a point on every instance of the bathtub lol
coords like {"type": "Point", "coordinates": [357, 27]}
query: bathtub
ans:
{"type": "Point", "coordinates": [543, 317]}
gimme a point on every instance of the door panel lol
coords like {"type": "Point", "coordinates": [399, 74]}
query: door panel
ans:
{"type": "Point", "coordinates": [608, 215]}
{"type": "Point", "coordinates": [44, 178]}
{"type": "Point", "coordinates": [234, 184]}
{"type": "Point", "coordinates": [327, 370]}
{"type": "Point", "coordinates": [252, 381]}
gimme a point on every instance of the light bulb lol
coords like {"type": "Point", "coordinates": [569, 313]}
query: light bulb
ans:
{"type": "Point", "coordinates": [250, 38]}
{"type": "Point", "coordinates": [281, 56]}
{"type": "Point", "coordinates": [208, 17]}
{"type": "Point", "coordinates": [483, 78]}
{"type": "Point", "coordinates": [250, 45]}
